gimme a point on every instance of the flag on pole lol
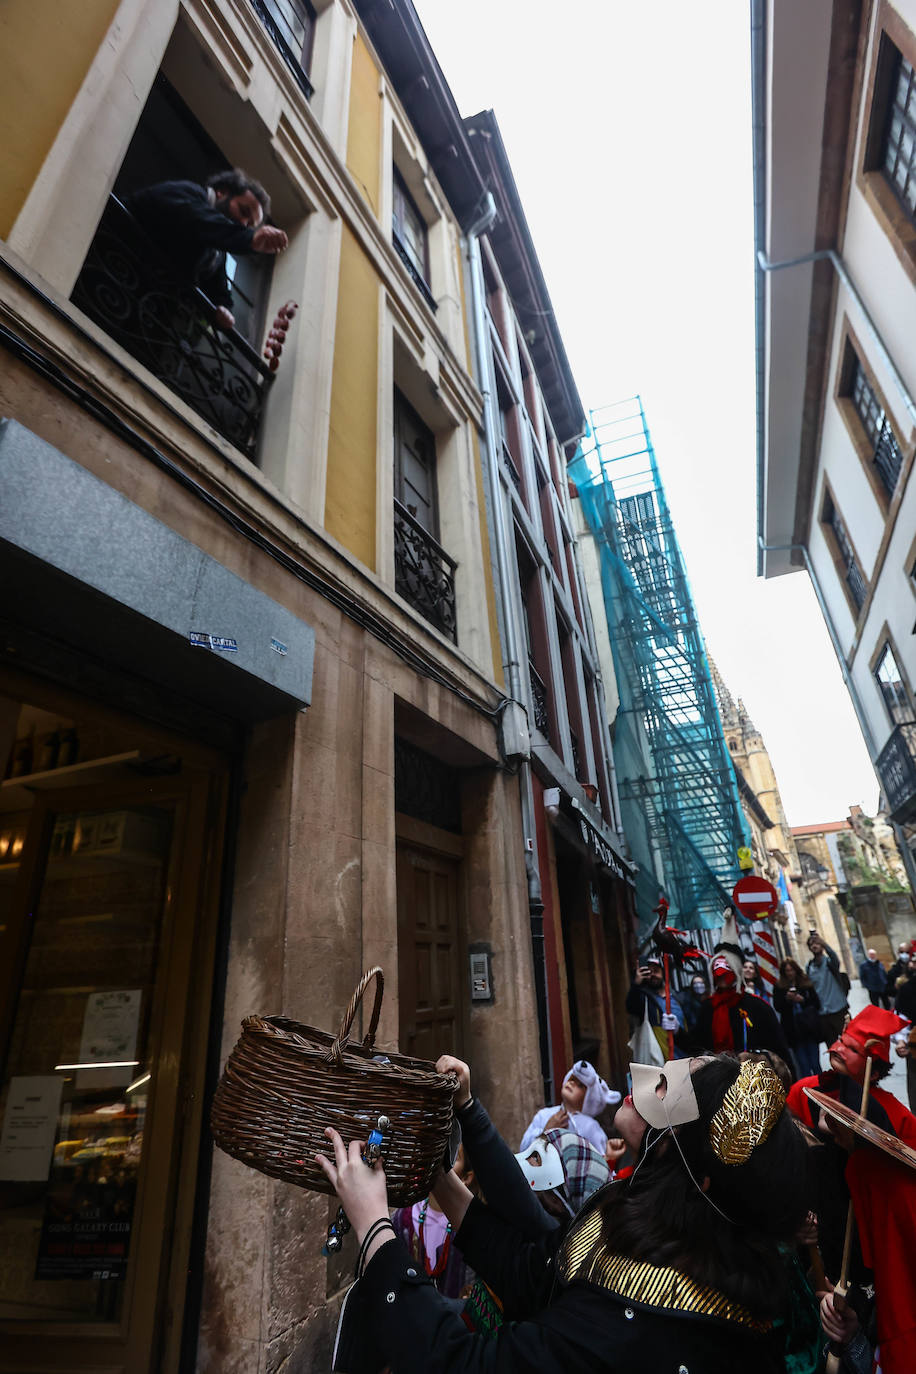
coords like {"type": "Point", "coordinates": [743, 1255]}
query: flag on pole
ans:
{"type": "Point", "coordinates": [765, 953]}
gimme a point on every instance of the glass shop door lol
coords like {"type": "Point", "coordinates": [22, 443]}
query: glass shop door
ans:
{"type": "Point", "coordinates": [106, 925]}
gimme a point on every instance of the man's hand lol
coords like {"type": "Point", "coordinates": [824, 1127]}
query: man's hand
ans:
{"type": "Point", "coordinates": [614, 1151]}
{"type": "Point", "coordinates": [559, 1121]}
{"type": "Point", "coordinates": [641, 974]}
{"type": "Point", "coordinates": [223, 318]}
{"type": "Point", "coordinates": [669, 1021]}
{"type": "Point", "coordinates": [269, 239]}
{"type": "Point", "coordinates": [838, 1326]}
{"type": "Point", "coordinates": [447, 1063]}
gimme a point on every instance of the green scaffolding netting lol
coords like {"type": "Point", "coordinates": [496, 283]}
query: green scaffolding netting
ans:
{"type": "Point", "coordinates": [678, 790]}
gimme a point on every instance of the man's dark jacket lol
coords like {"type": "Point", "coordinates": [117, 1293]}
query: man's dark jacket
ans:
{"type": "Point", "coordinates": [191, 233]}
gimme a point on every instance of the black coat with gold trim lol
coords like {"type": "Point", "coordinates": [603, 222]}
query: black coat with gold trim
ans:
{"type": "Point", "coordinates": [573, 1306]}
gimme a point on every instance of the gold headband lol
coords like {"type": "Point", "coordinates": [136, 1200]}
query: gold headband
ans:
{"type": "Point", "coordinates": [749, 1111]}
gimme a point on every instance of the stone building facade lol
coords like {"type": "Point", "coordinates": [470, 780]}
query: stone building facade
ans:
{"type": "Point", "coordinates": [252, 693]}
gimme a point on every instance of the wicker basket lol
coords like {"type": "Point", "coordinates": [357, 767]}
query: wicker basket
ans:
{"type": "Point", "coordinates": [285, 1082]}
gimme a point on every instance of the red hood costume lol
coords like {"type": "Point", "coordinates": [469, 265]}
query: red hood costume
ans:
{"type": "Point", "coordinates": [873, 1027]}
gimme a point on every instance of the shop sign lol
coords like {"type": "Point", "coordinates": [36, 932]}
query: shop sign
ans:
{"type": "Point", "coordinates": [597, 844]}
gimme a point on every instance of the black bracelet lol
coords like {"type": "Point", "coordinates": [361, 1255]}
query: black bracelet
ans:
{"type": "Point", "coordinates": [374, 1229]}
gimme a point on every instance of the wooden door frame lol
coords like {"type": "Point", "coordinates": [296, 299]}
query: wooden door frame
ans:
{"type": "Point", "coordinates": [157, 1270]}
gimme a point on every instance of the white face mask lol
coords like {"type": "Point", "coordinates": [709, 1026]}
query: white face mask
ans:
{"type": "Point", "coordinates": [679, 1102]}
{"type": "Point", "coordinates": [546, 1174]}
{"type": "Point", "coordinates": [904, 958]}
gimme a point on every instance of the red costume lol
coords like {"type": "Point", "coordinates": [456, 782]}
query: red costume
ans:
{"type": "Point", "coordinates": [884, 1198]}
{"type": "Point", "coordinates": [883, 1109]}
{"type": "Point", "coordinates": [867, 1033]}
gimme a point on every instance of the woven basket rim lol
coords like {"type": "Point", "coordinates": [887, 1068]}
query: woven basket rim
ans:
{"type": "Point", "coordinates": [296, 1036]}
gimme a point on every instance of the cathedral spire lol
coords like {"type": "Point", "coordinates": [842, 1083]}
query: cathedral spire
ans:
{"type": "Point", "coordinates": [724, 699]}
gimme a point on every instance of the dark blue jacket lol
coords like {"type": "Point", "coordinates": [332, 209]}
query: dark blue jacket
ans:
{"type": "Point", "coordinates": [872, 975]}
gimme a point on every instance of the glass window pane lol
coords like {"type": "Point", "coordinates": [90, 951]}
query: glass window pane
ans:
{"type": "Point", "coordinates": [74, 1097]}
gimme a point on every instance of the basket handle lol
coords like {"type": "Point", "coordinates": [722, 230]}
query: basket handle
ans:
{"type": "Point", "coordinates": [343, 1034]}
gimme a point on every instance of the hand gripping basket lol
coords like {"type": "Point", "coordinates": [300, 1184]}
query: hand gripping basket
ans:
{"type": "Point", "coordinates": [285, 1082]}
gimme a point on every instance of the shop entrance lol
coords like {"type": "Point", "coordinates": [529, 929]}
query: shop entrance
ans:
{"type": "Point", "coordinates": [109, 849]}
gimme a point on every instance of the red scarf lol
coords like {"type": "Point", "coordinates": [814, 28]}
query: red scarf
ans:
{"type": "Point", "coordinates": [723, 1037]}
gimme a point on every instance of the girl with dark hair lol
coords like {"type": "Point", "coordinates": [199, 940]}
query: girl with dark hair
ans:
{"type": "Point", "coordinates": [677, 1265]}
{"type": "Point", "coordinates": [798, 1007]}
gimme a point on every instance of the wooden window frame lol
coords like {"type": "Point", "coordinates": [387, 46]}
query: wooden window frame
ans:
{"type": "Point", "coordinates": [403, 410]}
{"type": "Point", "coordinates": [836, 553]}
{"type": "Point", "coordinates": [891, 33]}
{"type": "Point", "coordinates": [852, 352]}
{"type": "Point", "coordinates": [400, 189]}
{"type": "Point", "coordinates": [886, 641]}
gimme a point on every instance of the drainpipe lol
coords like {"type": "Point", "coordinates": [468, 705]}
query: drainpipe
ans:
{"type": "Point", "coordinates": [511, 637]}
{"type": "Point", "coordinates": [830, 255]}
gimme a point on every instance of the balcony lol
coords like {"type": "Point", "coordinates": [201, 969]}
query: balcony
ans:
{"type": "Point", "coordinates": [424, 574]}
{"type": "Point", "coordinates": [128, 288]}
{"type": "Point", "coordinates": [897, 770]}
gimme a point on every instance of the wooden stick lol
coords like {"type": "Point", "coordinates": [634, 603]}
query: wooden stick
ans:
{"type": "Point", "coordinates": [665, 958]}
{"type": "Point", "coordinates": [841, 1291]}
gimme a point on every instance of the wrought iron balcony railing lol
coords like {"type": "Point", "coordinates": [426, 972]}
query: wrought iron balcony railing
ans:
{"type": "Point", "coordinates": [539, 700]}
{"type": "Point", "coordinates": [424, 574]}
{"type": "Point", "coordinates": [888, 458]}
{"type": "Point", "coordinates": [129, 289]}
{"type": "Point", "coordinates": [291, 24]}
{"type": "Point", "coordinates": [897, 770]}
{"type": "Point", "coordinates": [415, 276]}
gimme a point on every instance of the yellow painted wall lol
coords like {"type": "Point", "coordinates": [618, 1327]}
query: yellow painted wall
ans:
{"type": "Point", "coordinates": [350, 493]}
{"type": "Point", "coordinates": [48, 47]}
{"type": "Point", "coordinates": [364, 131]}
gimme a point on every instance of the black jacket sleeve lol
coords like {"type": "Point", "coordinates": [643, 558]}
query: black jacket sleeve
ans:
{"type": "Point", "coordinates": [636, 1002]}
{"type": "Point", "coordinates": [518, 1268]}
{"type": "Point", "coordinates": [501, 1180]}
{"type": "Point", "coordinates": [175, 209]}
{"type": "Point", "coordinates": [416, 1332]}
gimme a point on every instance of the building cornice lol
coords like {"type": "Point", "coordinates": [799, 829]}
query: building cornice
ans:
{"type": "Point", "coordinates": [518, 261]}
{"type": "Point", "coordinates": [400, 42]}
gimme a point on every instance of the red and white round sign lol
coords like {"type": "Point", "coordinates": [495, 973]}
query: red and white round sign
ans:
{"type": "Point", "coordinates": [755, 897]}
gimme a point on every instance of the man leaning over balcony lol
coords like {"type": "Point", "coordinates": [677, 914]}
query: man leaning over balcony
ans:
{"type": "Point", "coordinates": [196, 226]}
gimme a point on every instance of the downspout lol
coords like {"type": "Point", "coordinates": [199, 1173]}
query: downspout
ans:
{"type": "Point", "coordinates": [511, 636]}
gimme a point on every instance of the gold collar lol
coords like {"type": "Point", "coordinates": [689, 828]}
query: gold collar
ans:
{"type": "Point", "coordinates": [584, 1256]}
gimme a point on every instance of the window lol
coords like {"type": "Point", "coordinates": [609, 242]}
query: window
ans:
{"type": "Point", "coordinates": [886, 175]}
{"type": "Point", "coordinates": [424, 574]}
{"type": "Point", "coordinates": [844, 554]}
{"type": "Point", "coordinates": [415, 465]}
{"type": "Point", "coordinates": [408, 228]}
{"type": "Point", "coordinates": [898, 152]}
{"type": "Point", "coordinates": [893, 688]}
{"type": "Point", "coordinates": [887, 456]}
{"type": "Point", "coordinates": [291, 25]}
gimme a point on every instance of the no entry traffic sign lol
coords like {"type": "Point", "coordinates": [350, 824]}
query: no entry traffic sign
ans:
{"type": "Point", "coordinates": [755, 896]}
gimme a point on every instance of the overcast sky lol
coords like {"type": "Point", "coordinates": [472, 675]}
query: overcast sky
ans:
{"type": "Point", "coordinates": [627, 123]}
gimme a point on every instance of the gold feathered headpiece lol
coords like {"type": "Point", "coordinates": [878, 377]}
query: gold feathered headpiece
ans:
{"type": "Point", "coordinates": [749, 1111]}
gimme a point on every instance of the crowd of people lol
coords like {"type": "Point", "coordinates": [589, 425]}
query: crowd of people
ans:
{"type": "Point", "coordinates": [697, 1223]}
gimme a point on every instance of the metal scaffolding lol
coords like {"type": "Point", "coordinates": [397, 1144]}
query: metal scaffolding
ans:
{"type": "Point", "coordinates": [678, 791]}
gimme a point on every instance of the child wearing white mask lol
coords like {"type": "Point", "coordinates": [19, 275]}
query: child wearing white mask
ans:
{"type": "Point", "coordinates": [583, 1097]}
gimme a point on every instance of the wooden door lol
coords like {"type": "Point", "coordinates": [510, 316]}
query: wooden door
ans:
{"type": "Point", "coordinates": [431, 960]}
